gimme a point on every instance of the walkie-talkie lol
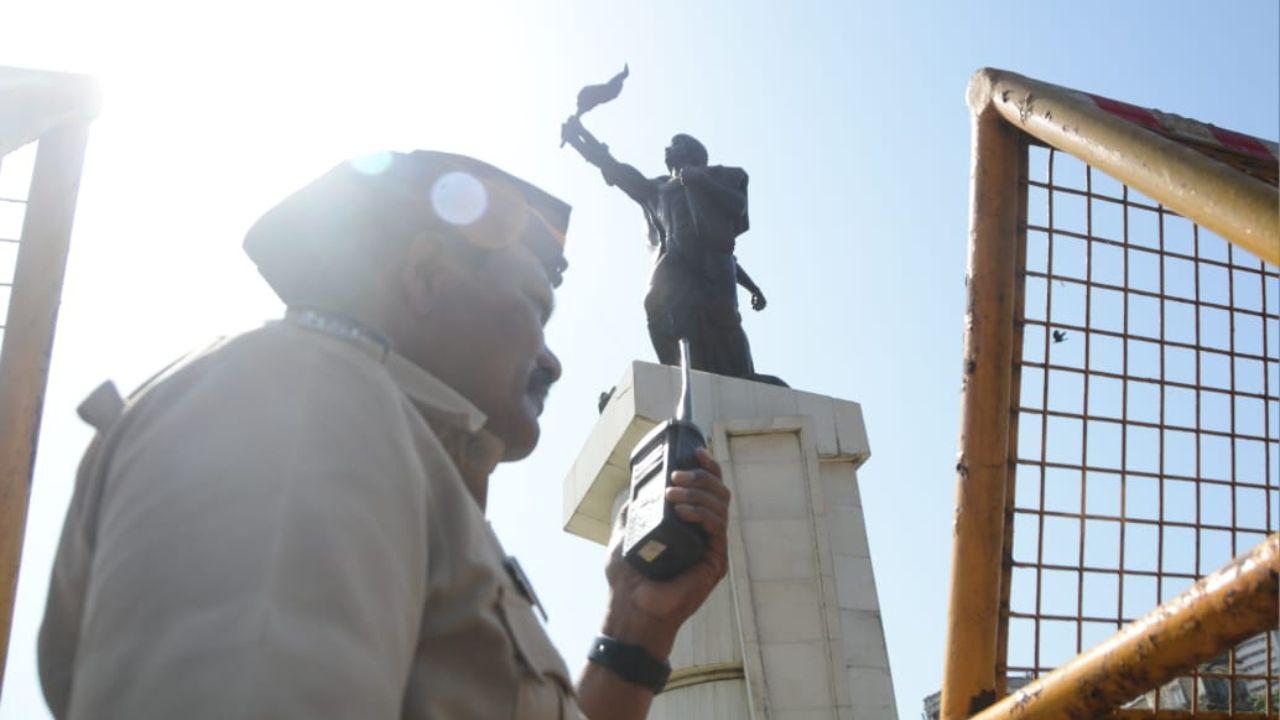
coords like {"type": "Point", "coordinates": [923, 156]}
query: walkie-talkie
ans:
{"type": "Point", "coordinates": [655, 541]}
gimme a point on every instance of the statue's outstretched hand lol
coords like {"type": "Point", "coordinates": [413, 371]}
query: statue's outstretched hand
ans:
{"type": "Point", "coordinates": [758, 302]}
{"type": "Point", "coordinates": [571, 130]}
{"type": "Point", "coordinates": [649, 612]}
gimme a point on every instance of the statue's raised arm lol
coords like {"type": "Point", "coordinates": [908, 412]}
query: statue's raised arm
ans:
{"type": "Point", "coordinates": [695, 214]}
{"type": "Point", "coordinates": [618, 174]}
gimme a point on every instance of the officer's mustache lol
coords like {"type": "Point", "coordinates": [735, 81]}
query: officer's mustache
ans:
{"type": "Point", "coordinates": [540, 382]}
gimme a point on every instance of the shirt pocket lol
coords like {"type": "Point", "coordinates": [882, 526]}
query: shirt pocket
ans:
{"type": "Point", "coordinates": [545, 690]}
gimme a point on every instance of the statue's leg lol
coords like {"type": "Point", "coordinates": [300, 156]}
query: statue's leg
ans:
{"type": "Point", "coordinates": [665, 343]}
{"type": "Point", "coordinates": [748, 364]}
{"type": "Point", "coordinates": [744, 364]}
{"type": "Point", "coordinates": [738, 351]}
{"type": "Point", "coordinates": [724, 342]}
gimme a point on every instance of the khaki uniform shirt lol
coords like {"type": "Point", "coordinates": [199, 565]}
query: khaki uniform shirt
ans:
{"type": "Point", "coordinates": [279, 527]}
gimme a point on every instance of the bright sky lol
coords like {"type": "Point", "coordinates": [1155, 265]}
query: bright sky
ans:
{"type": "Point", "coordinates": [849, 117]}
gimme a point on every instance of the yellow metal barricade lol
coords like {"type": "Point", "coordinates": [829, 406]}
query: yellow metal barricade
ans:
{"type": "Point", "coordinates": [1120, 424]}
{"type": "Point", "coordinates": [44, 124]}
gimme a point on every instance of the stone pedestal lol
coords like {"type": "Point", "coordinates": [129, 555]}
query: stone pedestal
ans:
{"type": "Point", "coordinates": [794, 631]}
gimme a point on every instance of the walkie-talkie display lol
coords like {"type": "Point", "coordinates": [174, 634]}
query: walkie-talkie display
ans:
{"type": "Point", "coordinates": [655, 541]}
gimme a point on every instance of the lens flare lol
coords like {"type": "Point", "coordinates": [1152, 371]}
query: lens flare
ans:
{"type": "Point", "coordinates": [458, 198]}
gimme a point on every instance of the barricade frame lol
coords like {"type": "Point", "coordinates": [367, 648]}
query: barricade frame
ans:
{"type": "Point", "coordinates": [1224, 182]}
{"type": "Point", "coordinates": [53, 111]}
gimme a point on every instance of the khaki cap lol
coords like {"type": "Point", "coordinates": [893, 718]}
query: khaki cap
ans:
{"type": "Point", "coordinates": [315, 248]}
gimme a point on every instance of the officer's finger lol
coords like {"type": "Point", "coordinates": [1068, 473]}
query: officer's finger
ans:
{"type": "Point", "coordinates": [701, 480]}
{"type": "Point", "coordinates": [708, 462]}
{"type": "Point", "coordinates": [695, 496]}
{"type": "Point", "coordinates": [713, 523]}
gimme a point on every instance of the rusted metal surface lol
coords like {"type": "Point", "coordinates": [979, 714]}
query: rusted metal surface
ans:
{"type": "Point", "coordinates": [28, 340]}
{"type": "Point", "coordinates": [1239, 207]}
{"type": "Point", "coordinates": [1183, 715]}
{"type": "Point", "coordinates": [1070, 404]}
{"type": "Point", "coordinates": [969, 676]}
{"type": "Point", "coordinates": [1238, 601]}
{"type": "Point", "coordinates": [1173, 487]}
{"type": "Point", "coordinates": [1010, 484]}
{"type": "Point", "coordinates": [1248, 154]}
{"type": "Point", "coordinates": [1076, 363]}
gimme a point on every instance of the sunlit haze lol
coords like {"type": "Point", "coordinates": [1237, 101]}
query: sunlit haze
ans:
{"type": "Point", "coordinates": [849, 117]}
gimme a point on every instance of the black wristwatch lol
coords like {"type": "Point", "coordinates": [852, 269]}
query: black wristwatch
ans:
{"type": "Point", "coordinates": [630, 662]}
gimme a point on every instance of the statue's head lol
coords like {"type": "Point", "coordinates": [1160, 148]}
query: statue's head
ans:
{"type": "Point", "coordinates": [685, 151]}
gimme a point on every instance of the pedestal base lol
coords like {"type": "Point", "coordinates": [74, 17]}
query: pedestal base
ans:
{"type": "Point", "coordinates": [795, 630]}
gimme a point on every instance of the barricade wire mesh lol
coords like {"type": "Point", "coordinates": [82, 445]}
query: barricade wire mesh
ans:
{"type": "Point", "coordinates": [15, 186]}
{"type": "Point", "coordinates": [1148, 427]}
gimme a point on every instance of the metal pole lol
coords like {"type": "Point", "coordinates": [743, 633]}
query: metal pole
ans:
{"type": "Point", "coordinates": [1220, 611]}
{"type": "Point", "coordinates": [969, 674]}
{"type": "Point", "coordinates": [1011, 474]}
{"type": "Point", "coordinates": [1238, 207]}
{"type": "Point", "coordinates": [28, 340]}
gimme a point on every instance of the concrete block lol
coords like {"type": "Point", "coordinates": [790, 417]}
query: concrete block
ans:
{"type": "Point", "coordinates": [839, 483]}
{"type": "Point", "coordinates": [765, 448]}
{"type": "Point", "coordinates": [848, 532]}
{"type": "Point", "coordinates": [788, 611]}
{"type": "Point", "coordinates": [821, 409]}
{"type": "Point", "coordinates": [807, 714]}
{"type": "Point", "coordinates": [872, 694]}
{"type": "Point", "coordinates": [798, 611]}
{"type": "Point", "coordinates": [774, 401]}
{"type": "Point", "coordinates": [733, 402]}
{"type": "Point", "coordinates": [851, 433]}
{"type": "Point", "coordinates": [798, 675]}
{"type": "Point", "coordinates": [855, 584]}
{"type": "Point", "coordinates": [774, 490]}
{"type": "Point", "coordinates": [781, 549]}
{"type": "Point", "coordinates": [863, 639]}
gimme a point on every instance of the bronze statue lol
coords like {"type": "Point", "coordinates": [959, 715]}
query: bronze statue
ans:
{"type": "Point", "coordinates": [695, 214]}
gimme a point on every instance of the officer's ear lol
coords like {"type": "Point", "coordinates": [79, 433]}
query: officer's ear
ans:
{"type": "Point", "coordinates": [423, 272]}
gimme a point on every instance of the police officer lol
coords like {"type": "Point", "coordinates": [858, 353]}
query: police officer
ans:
{"type": "Point", "coordinates": [290, 523]}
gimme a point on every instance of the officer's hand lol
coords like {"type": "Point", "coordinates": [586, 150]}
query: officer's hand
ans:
{"type": "Point", "coordinates": [649, 612]}
{"type": "Point", "coordinates": [757, 301]}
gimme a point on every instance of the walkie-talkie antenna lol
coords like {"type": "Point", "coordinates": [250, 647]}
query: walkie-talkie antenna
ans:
{"type": "Point", "coordinates": [684, 409]}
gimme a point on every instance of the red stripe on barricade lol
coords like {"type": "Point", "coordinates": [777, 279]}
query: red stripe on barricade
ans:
{"type": "Point", "coordinates": [1242, 143]}
{"type": "Point", "coordinates": [1132, 113]}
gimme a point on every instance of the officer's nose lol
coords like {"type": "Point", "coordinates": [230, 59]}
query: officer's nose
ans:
{"type": "Point", "coordinates": [549, 365]}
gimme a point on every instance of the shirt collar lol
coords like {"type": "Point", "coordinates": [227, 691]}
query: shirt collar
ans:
{"type": "Point", "coordinates": [433, 394]}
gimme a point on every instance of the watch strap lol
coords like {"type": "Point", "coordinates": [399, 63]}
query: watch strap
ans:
{"type": "Point", "coordinates": [630, 662]}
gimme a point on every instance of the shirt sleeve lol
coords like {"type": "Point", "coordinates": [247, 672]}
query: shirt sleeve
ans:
{"type": "Point", "coordinates": [261, 552]}
{"type": "Point", "coordinates": [59, 632]}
